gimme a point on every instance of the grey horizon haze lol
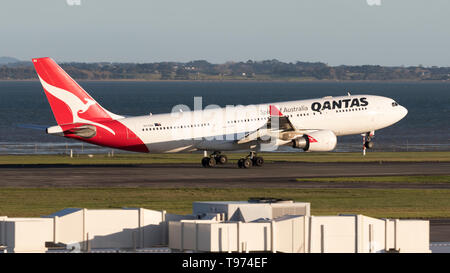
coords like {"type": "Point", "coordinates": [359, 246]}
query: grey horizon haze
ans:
{"type": "Point", "coordinates": [351, 32]}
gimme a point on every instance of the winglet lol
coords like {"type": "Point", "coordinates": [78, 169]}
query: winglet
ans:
{"type": "Point", "coordinates": [273, 110]}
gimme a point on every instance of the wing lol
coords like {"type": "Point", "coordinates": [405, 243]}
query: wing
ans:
{"type": "Point", "coordinates": [278, 126]}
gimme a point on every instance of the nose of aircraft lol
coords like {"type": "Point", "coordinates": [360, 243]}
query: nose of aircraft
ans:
{"type": "Point", "coordinates": [403, 112]}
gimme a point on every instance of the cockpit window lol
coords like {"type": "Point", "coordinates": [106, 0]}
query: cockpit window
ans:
{"type": "Point", "coordinates": [394, 104]}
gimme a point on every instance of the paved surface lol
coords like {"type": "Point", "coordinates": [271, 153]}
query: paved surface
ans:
{"type": "Point", "coordinates": [440, 247]}
{"type": "Point", "coordinates": [440, 231]}
{"type": "Point", "coordinates": [281, 175]}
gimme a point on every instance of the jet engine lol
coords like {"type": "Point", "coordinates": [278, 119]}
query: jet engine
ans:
{"type": "Point", "coordinates": [319, 141]}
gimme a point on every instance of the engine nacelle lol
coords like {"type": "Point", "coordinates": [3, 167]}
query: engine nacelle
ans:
{"type": "Point", "coordinates": [319, 141]}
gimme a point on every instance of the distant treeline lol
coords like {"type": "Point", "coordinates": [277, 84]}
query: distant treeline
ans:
{"type": "Point", "coordinates": [250, 70]}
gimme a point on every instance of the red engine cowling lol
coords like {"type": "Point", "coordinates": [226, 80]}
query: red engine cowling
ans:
{"type": "Point", "coordinates": [319, 141]}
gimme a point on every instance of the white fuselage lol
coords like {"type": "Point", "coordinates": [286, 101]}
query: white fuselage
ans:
{"type": "Point", "coordinates": [220, 128]}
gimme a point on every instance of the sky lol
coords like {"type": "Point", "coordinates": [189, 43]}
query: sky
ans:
{"type": "Point", "coordinates": [350, 32]}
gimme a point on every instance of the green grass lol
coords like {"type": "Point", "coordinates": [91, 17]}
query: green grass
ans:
{"type": "Point", "coordinates": [417, 179]}
{"type": "Point", "coordinates": [233, 157]}
{"type": "Point", "coordinates": [398, 203]}
{"type": "Point", "coordinates": [393, 203]}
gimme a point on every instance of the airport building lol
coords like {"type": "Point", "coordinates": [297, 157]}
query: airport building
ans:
{"type": "Point", "coordinates": [258, 225]}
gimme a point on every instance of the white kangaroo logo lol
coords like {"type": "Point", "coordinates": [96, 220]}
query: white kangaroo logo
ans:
{"type": "Point", "coordinates": [87, 105]}
{"type": "Point", "coordinates": [76, 105]}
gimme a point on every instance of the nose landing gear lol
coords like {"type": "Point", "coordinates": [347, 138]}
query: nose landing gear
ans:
{"type": "Point", "coordinates": [367, 141]}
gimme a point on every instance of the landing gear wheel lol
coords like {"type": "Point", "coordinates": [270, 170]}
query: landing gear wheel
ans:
{"type": "Point", "coordinates": [205, 161]}
{"type": "Point", "coordinates": [241, 163]}
{"type": "Point", "coordinates": [258, 161]}
{"type": "Point", "coordinates": [247, 163]}
{"type": "Point", "coordinates": [211, 162]}
{"type": "Point", "coordinates": [221, 159]}
{"type": "Point", "coordinates": [367, 141]}
{"type": "Point", "coordinates": [369, 144]}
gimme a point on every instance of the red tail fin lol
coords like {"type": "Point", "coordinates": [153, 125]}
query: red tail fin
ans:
{"type": "Point", "coordinates": [69, 102]}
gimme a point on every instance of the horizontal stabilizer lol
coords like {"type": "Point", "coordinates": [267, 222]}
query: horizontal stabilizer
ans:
{"type": "Point", "coordinates": [84, 131]}
{"type": "Point", "coordinates": [32, 126]}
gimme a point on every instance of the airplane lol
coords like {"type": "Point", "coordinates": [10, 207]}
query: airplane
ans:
{"type": "Point", "coordinates": [310, 125]}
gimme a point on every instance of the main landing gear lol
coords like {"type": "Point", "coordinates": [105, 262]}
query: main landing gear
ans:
{"type": "Point", "coordinates": [251, 160]}
{"type": "Point", "coordinates": [214, 159]}
{"type": "Point", "coordinates": [217, 158]}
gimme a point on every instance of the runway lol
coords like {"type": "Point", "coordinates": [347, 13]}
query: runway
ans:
{"type": "Point", "coordinates": [271, 175]}
{"type": "Point", "coordinates": [279, 175]}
